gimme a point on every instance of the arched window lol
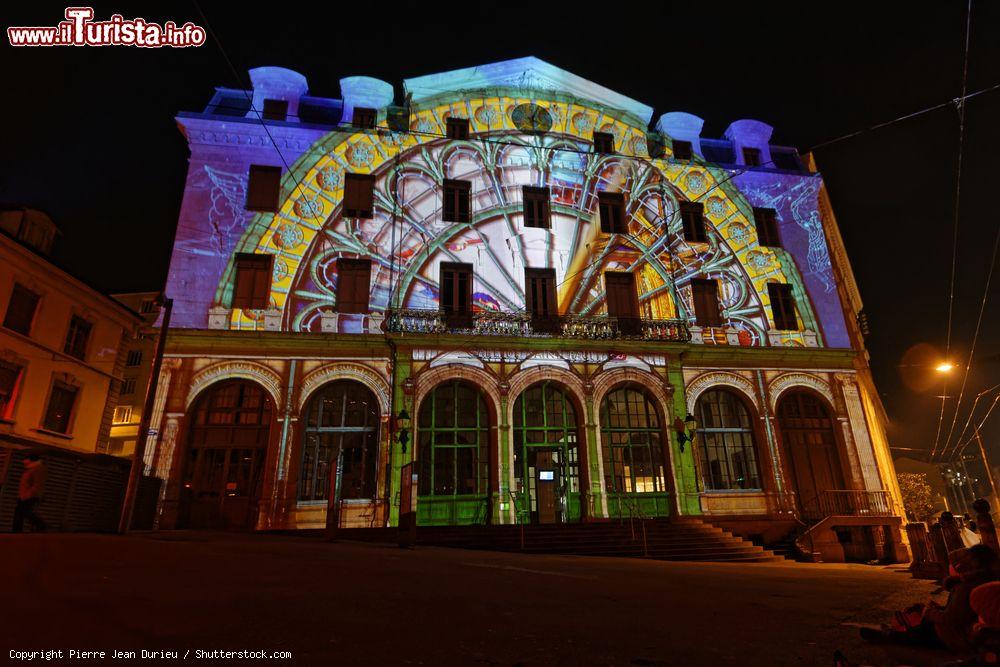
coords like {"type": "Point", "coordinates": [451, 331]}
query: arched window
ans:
{"type": "Point", "coordinates": [726, 442]}
{"type": "Point", "coordinates": [342, 420]}
{"type": "Point", "coordinates": [546, 459]}
{"type": "Point", "coordinates": [452, 441]}
{"type": "Point", "coordinates": [230, 425]}
{"type": "Point", "coordinates": [631, 442]}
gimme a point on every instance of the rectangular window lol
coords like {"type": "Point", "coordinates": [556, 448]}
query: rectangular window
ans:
{"type": "Point", "coordinates": [655, 145]}
{"type": "Point", "coordinates": [540, 290]}
{"type": "Point", "coordinates": [128, 386]}
{"type": "Point", "coordinates": [604, 142]}
{"type": "Point", "coordinates": [275, 109]}
{"type": "Point", "coordinates": [263, 188]}
{"type": "Point", "coordinates": [782, 307]}
{"type": "Point", "coordinates": [60, 408]}
{"type": "Point", "coordinates": [133, 359]}
{"type": "Point", "coordinates": [766, 220]}
{"type": "Point", "coordinates": [705, 298]}
{"type": "Point", "coordinates": [364, 118]}
{"type": "Point", "coordinates": [536, 207]}
{"type": "Point", "coordinates": [252, 288]}
{"type": "Point", "coordinates": [457, 128]}
{"type": "Point", "coordinates": [622, 300]}
{"type": "Point", "coordinates": [147, 306]}
{"type": "Point", "coordinates": [751, 156]}
{"type": "Point", "coordinates": [359, 195]}
{"type": "Point", "coordinates": [682, 150]}
{"type": "Point", "coordinates": [77, 337]}
{"type": "Point", "coordinates": [457, 205]}
{"type": "Point", "coordinates": [456, 294]}
{"type": "Point", "coordinates": [21, 309]}
{"type": "Point", "coordinates": [353, 285]}
{"type": "Point", "coordinates": [10, 382]}
{"type": "Point", "coordinates": [123, 414]}
{"type": "Point", "coordinates": [398, 118]}
{"type": "Point", "coordinates": [693, 222]}
{"type": "Point", "coordinates": [611, 207]}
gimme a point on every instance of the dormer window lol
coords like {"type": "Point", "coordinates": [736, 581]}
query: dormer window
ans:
{"type": "Point", "coordinates": [604, 142]}
{"type": "Point", "coordinates": [457, 128]}
{"type": "Point", "coordinates": [751, 156]}
{"type": "Point", "coordinates": [275, 109]}
{"type": "Point", "coordinates": [682, 150]}
{"type": "Point", "coordinates": [364, 118]}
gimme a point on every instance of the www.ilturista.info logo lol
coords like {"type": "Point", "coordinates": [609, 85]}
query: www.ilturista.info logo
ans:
{"type": "Point", "coordinates": [79, 29]}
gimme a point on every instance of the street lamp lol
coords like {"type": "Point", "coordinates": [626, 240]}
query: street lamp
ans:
{"type": "Point", "coordinates": [403, 429]}
{"type": "Point", "coordinates": [945, 367]}
{"type": "Point", "coordinates": [685, 429]}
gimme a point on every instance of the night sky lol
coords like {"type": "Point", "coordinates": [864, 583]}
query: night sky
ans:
{"type": "Point", "coordinates": [90, 136]}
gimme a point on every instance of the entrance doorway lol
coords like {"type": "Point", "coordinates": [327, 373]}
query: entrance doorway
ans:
{"type": "Point", "coordinates": [546, 456]}
{"type": "Point", "coordinates": [811, 443]}
{"type": "Point", "coordinates": [227, 445]}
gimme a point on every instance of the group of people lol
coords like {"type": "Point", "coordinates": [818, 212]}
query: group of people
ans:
{"type": "Point", "coordinates": [969, 622]}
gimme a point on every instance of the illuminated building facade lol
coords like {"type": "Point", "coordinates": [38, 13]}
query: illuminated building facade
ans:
{"type": "Point", "coordinates": [547, 287]}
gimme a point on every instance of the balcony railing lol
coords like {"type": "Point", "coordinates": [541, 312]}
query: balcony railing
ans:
{"type": "Point", "coordinates": [848, 502]}
{"type": "Point", "coordinates": [523, 325]}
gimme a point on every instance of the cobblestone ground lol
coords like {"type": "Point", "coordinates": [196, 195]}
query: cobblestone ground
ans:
{"type": "Point", "coordinates": [351, 603]}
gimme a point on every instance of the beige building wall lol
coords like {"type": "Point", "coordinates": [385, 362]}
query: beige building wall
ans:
{"type": "Point", "coordinates": [40, 359]}
{"type": "Point", "coordinates": [138, 364]}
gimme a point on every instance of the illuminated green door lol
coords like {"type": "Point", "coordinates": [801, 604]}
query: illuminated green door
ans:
{"type": "Point", "coordinates": [546, 456]}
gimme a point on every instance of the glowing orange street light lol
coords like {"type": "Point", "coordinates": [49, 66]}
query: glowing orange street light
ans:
{"type": "Point", "coordinates": [944, 367]}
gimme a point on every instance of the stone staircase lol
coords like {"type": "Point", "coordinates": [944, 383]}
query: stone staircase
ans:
{"type": "Point", "coordinates": [679, 539]}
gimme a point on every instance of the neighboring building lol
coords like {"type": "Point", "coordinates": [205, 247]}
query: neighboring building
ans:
{"type": "Point", "coordinates": [135, 375]}
{"type": "Point", "coordinates": [544, 285]}
{"type": "Point", "coordinates": [61, 344]}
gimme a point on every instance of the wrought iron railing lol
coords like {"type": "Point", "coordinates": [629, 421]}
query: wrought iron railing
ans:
{"type": "Point", "coordinates": [523, 325]}
{"type": "Point", "coordinates": [848, 502]}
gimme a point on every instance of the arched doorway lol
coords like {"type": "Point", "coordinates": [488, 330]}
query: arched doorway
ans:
{"type": "Point", "coordinates": [453, 430]}
{"type": "Point", "coordinates": [340, 438]}
{"type": "Point", "coordinates": [632, 445]}
{"type": "Point", "coordinates": [811, 445]}
{"type": "Point", "coordinates": [726, 443]}
{"type": "Point", "coordinates": [546, 455]}
{"type": "Point", "coordinates": [227, 446]}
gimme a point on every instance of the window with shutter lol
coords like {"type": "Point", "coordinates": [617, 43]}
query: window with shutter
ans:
{"type": "Point", "coordinates": [252, 288]}
{"type": "Point", "coordinates": [456, 206]}
{"type": "Point", "coordinates": [655, 145]}
{"type": "Point", "coordinates": [60, 408]}
{"type": "Point", "coordinates": [682, 150]}
{"type": "Point", "coordinates": [705, 298]}
{"type": "Point", "coordinates": [751, 157]}
{"type": "Point", "coordinates": [263, 188]}
{"type": "Point", "coordinates": [457, 128]}
{"type": "Point", "coordinates": [693, 222]}
{"type": "Point", "coordinates": [21, 309]}
{"type": "Point", "coordinates": [604, 142]}
{"type": "Point", "coordinates": [364, 118]}
{"type": "Point", "coordinates": [456, 294]}
{"type": "Point", "coordinates": [10, 381]}
{"type": "Point", "coordinates": [766, 221]}
{"type": "Point", "coordinates": [359, 195]}
{"type": "Point", "coordinates": [611, 207]}
{"type": "Point", "coordinates": [353, 285]}
{"type": "Point", "coordinates": [275, 109]}
{"type": "Point", "coordinates": [540, 290]}
{"type": "Point", "coordinates": [622, 300]}
{"type": "Point", "coordinates": [536, 207]}
{"type": "Point", "coordinates": [134, 358]}
{"type": "Point", "coordinates": [782, 307]}
{"type": "Point", "coordinates": [77, 337]}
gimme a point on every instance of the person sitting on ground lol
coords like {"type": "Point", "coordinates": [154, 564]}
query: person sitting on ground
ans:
{"type": "Point", "coordinates": [949, 626]}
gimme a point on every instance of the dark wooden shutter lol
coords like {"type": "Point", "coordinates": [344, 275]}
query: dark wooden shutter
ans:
{"type": "Point", "coordinates": [604, 142]}
{"type": "Point", "coordinates": [751, 157]}
{"type": "Point", "coordinates": [611, 209]}
{"type": "Point", "coordinates": [682, 150]}
{"type": "Point", "coordinates": [457, 203]}
{"type": "Point", "coordinates": [457, 128]}
{"type": "Point", "coordinates": [21, 309]}
{"type": "Point", "coordinates": [60, 407]}
{"type": "Point", "coordinates": [263, 188]}
{"type": "Point", "coordinates": [540, 290]}
{"type": "Point", "coordinates": [275, 109]}
{"type": "Point", "coordinates": [364, 118]}
{"type": "Point", "coordinates": [766, 221]}
{"type": "Point", "coordinates": [359, 195]}
{"type": "Point", "coordinates": [622, 300]}
{"type": "Point", "coordinates": [353, 285]}
{"type": "Point", "coordinates": [536, 207]}
{"type": "Point", "coordinates": [456, 294]}
{"type": "Point", "coordinates": [782, 307]}
{"type": "Point", "coordinates": [252, 288]}
{"type": "Point", "coordinates": [693, 222]}
{"type": "Point", "coordinates": [705, 294]}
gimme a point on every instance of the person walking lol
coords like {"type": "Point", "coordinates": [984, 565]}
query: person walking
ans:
{"type": "Point", "coordinates": [29, 494]}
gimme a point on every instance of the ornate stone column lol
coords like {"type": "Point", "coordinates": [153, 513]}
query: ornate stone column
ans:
{"type": "Point", "coordinates": [858, 426]}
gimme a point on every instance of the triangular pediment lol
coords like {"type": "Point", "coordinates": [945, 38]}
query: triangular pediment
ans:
{"type": "Point", "coordinates": [529, 74]}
